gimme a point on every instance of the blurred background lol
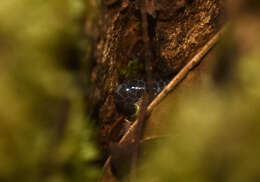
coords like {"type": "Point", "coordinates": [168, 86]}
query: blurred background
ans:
{"type": "Point", "coordinates": [46, 133]}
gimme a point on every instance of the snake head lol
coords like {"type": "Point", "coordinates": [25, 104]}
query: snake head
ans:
{"type": "Point", "coordinates": [127, 96]}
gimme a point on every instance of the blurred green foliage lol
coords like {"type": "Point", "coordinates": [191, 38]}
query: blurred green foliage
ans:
{"type": "Point", "coordinates": [44, 132]}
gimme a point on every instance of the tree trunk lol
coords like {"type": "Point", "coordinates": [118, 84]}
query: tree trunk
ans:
{"type": "Point", "coordinates": [177, 30]}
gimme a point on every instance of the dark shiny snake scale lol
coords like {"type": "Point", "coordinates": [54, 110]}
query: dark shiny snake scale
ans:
{"type": "Point", "coordinates": [128, 94]}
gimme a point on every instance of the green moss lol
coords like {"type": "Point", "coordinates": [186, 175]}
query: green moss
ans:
{"type": "Point", "coordinates": [134, 67]}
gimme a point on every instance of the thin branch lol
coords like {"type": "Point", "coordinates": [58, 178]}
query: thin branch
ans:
{"type": "Point", "coordinates": [187, 68]}
{"type": "Point", "coordinates": [145, 100]}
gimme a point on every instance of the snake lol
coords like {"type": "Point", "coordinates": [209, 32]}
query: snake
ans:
{"type": "Point", "coordinates": [128, 94]}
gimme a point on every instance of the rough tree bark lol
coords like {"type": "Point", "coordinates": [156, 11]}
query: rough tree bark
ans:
{"type": "Point", "coordinates": [177, 28]}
